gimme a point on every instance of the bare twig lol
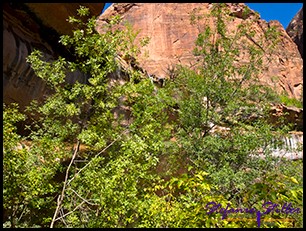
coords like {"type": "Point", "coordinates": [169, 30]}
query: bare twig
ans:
{"type": "Point", "coordinates": [23, 210]}
{"type": "Point", "coordinates": [96, 156]}
{"type": "Point", "coordinates": [70, 211]}
{"type": "Point", "coordinates": [82, 198]}
{"type": "Point", "coordinates": [250, 38]}
{"type": "Point", "coordinates": [61, 197]}
{"type": "Point", "coordinates": [63, 220]}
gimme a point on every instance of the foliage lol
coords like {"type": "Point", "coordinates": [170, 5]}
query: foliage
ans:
{"type": "Point", "coordinates": [113, 150]}
{"type": "Point", "coordinates": [28, 185]}
{"type": "Point", "coordinates": [218, 94]}
{"type": "Point", "coordinates": [290, 101]}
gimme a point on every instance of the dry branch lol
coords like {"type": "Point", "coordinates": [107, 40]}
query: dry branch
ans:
{"type": "Point", "coordinates": [61, 197]}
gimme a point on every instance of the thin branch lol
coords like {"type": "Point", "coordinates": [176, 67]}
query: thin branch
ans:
{"type": "Point", "coordinates": [63, 220]}
{"type": "Point", "coordinates": [61, 197]}
{"type": "Point", "coordinates": [245, 75]}
{"type": "Point", "coordinates": [82, 198]}
{"type": "Point", "coordinates": [250, 38]}
{"type": "Point", "coordinates": [23, 210]}
{"type": "Point", "coordinates": [208, 130]}
{"type": "Point", "coordinates": [70, 211]}
{"type": "Point", "coordinates": [96, 156]}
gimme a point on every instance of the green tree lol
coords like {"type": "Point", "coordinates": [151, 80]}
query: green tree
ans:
{"type": "Point", "coordinates": [223, 109]}
{"type": "Point", "coordinates": [104, 189]}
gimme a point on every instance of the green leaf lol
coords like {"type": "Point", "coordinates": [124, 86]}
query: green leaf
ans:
{"type": "Point", "coordinates": [294, 180]}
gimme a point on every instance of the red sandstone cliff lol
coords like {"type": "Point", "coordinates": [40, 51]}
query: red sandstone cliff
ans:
{"type": "Point", "coordinates": [295, 30]}
{"type": "Point", "coordinates": [29, 26]}
{"type": "Point", "coordinates": [172, 39]}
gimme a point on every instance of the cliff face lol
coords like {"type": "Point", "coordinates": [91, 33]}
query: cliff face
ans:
{"type": "Point", "coordinates": [30, 26]}
{"type": "Point", "coordinates": [172, 39]}
{"type": "Point", "coordinates": [295, 30]}
{"type": "Point", "coordinates": [27, 27]}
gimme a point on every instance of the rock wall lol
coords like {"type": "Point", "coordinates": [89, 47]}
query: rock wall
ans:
{"type": "Point", "coordinates": [295, 30]}
{"type": "Point", "coordinates": [292, 115]}
{"type": "Point", "coordinates": [20, 37]}
{"type": "Point", "coordinates": [172, 39]}
{"type": "Point", "coordinates": [60, 12]}
{"type": "Point", "coordinates": [27, 27]}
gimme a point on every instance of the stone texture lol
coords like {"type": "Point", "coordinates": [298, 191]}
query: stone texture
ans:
{"type": "Point", "coordinates": [292, 115]}
{"type": "Point", "coordinates": [28, 27]}
{"type": "Point", "coordinates": [20, 37]}
{"type": "Point", "coordinates": [295, 30]}
{"type": "Point", "coordinates": [172, 39]}
{"type": "Point", "coordinates": [60, 12]}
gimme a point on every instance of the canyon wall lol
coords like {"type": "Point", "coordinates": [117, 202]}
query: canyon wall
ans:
{"type": "Point", "coordinates": [295, 30]}
{"type": "Point", "coordinates": [29, 26]}
{"type": "Point", "coordinates": [172, 39]}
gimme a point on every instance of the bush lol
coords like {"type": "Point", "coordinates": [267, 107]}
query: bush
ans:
{"type": "Point", "coordinates": [290, 101]}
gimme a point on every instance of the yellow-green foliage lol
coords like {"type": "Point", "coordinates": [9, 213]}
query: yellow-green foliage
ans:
{"type": "Point", "coordinates": [290, 101]}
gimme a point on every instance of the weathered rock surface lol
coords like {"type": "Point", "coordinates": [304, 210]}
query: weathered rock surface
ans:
{"type": "Point", "coordinates": [60, 12]}
{"type": "Point", "coordinates": [27, 27]}
{"type": "Point", "coordinates": [295, 30]}
{"type": "Point", "coordinates": [172, 39]}
{"type": "Point", "coordinates": [292, 115]}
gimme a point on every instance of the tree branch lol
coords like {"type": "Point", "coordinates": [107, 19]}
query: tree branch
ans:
{"type": "Point", "coordinates": [63, 220]}
{"type": "Point", "coordinates": [70, 211]}
{"type": "Point", "coordinates": [96, 156]}
{"type": "Point", "coordinates": [82, 198]}
{"type": "Point", "coordinates": [61, 197]}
